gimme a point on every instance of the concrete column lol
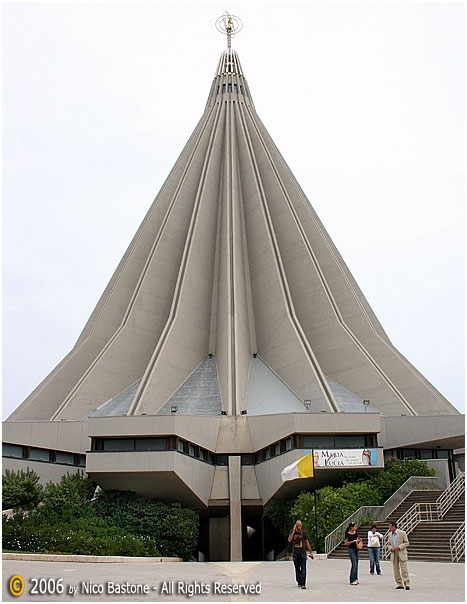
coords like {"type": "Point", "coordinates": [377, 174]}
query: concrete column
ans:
{"type": "Point", "coordinates": [235, 496]}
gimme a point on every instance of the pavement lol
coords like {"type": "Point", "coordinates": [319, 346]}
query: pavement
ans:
{"type": "Point", "coordinates": [327, 581]}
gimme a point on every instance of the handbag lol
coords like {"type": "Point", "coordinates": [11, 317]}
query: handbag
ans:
{"type": "Point", "coordinates": [359, 543]}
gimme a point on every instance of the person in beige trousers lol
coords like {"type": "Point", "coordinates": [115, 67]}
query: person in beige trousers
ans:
{"type": "Point", "coordinates": [398, 543]}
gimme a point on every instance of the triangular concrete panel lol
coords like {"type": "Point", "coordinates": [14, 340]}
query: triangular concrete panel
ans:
{"type": "Point", "coordinates": [268, 394]}
{"type": "Point", "coordinates": [199, 395]}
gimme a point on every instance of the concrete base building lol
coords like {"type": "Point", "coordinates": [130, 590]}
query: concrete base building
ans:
{"type": "Point", "coordinates": [231, 338]}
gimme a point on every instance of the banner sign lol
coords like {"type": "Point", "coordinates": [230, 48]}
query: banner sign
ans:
{"type": "Point", "coordinates": [343, 458]}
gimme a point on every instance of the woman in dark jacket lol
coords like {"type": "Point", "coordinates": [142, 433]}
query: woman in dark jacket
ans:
{"type": "Point", "coordinates": [353, 541]}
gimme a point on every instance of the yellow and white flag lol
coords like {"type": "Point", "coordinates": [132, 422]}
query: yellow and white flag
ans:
{"type": "Point", "coordinates": [302, 468]}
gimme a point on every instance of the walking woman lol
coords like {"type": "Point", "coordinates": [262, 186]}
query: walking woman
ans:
{"type": "Point", "coordinates": [374, 546]}
{"type": "Point", "coordinates": [355, 544]}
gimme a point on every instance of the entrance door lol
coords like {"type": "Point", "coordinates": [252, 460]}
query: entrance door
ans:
{"type": "Point", "coordinates": [219, 539]}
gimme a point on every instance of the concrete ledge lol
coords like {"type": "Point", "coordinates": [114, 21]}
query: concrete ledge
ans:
{"type": "Point", "coordinates": [78, 558]}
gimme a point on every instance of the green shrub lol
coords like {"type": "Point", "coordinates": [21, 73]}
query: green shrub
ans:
{"type": "Point", "coordinates": [33, 533]}
{"type": "Point", "coordinates": [175, 529]}
{"type": "Point", "coordinates": [69, 498]}
{"type": "Point", "coordinates": [279, 512]}
{"type": "Point", "coordinates": [20, 489]}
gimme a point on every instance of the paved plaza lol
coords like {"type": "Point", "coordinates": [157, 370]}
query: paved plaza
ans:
{"type": "Point", "coordinates": [327, 582]}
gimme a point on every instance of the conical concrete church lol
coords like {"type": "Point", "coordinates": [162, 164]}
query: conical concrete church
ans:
{"type": "Point", "coordinates": [231, 338]}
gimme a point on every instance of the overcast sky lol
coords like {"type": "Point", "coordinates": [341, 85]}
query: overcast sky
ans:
{"type": "Point", "coordinates": [364, 100]}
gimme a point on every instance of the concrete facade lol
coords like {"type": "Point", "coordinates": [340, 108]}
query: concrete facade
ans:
{"type": "Point", "coordinates": [230, 337]}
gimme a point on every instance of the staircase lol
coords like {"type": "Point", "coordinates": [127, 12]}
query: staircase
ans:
{"type": "Point", "coordinates": [430, 540]}
{"type": "Point", "coordinates": [434, 521]}
{"type": "Point", "coordinates": [415, 497]}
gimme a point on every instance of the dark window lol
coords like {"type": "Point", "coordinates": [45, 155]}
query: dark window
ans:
{"type": "Point", "coordinates": [409, 453]}
{"type": "Point", "coordinates": [194, 451]}
{"type": "Point", "coordinates": [12, 451]}
{"type": "Point", "coordinates": [442, 453]}
{"type": "Point", "coordinates": [318, 442]}
{"type": "Point", "coordinates": [356, 441]}
{"type": "Point", "coordinates": [82, 461]}
{"type": "Point", "coordinates": [221, 460]}
{"type": "Point", "coordinates": [65, 458]}
{"type": "Point", "coordinates": [150, 444]}
{"type": "Point", "coordinates": [371, 440]}
{"type": "Point", "coordinates": [180, 446]}
{"type": "Point", "coordinates": [276, 449]}
{"type": "Point", "coordinates": [248, 459]}
{"type": "Point", "coordinates": [171, 443]}
{"type": "Point", "coordinates": [39, 454]}
{"type": "Point", "coordinates": [119, 444]}
{"type": "Point", "coordinates": [426, 454]}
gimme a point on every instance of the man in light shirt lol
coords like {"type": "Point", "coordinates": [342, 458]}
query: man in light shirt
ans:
{"type": "Point", "coordinates": [398, 543]}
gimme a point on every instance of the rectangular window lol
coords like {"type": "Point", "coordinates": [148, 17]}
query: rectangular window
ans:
{"type": "Point", "coordinates": [409, 453]}
{"type": "Point", "coordinates": [426, 454]}
{"type": "Point", "coordinates": [39, 454]}
{"type": "Point", "coordinates": [288, 444]}
{"type": "Point", "coordinates": [12, 451]}
{"type": "Point", "coordinates": [221, 460]}
{"type": "Point", "coordinates": [276, 449]}
{"type": "Point", "coordinates": [171, 443]}
{"type": "Point", "coordinates": [353, 441]}
{"type": "Point", "coordinates": [318, 442]}
{"type": "Point", "coordinates": [150, 444]}
{"type": "Point", "coordinates": [82, 461]}
{"type": "Point", "coordinates": [193, 451]}
{"type": "Point", "coordinates": [248, 459]}
{"type": "Point", "coordinates": [65, 458]}
{"type": "Point", "coordinates": [442, 453]}
{"type": "Point", "coordinates": [119, 444]}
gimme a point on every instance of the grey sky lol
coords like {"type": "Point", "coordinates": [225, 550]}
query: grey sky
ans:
{"type": "Point", "coordinates": [364, 100]}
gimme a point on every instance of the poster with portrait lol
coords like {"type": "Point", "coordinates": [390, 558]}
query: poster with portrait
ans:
{"type": "Point", "coordinates": [344, 458]}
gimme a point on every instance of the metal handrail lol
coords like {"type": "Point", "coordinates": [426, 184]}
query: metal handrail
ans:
{"type": "Point", "coordinates": [427, 512]}
{"type": "Point", "coordinates": [449, 497]}
{"type": "Point", "coordinates": [375, 513]}
{"type": "Point", "coordinates": [457, 543]}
